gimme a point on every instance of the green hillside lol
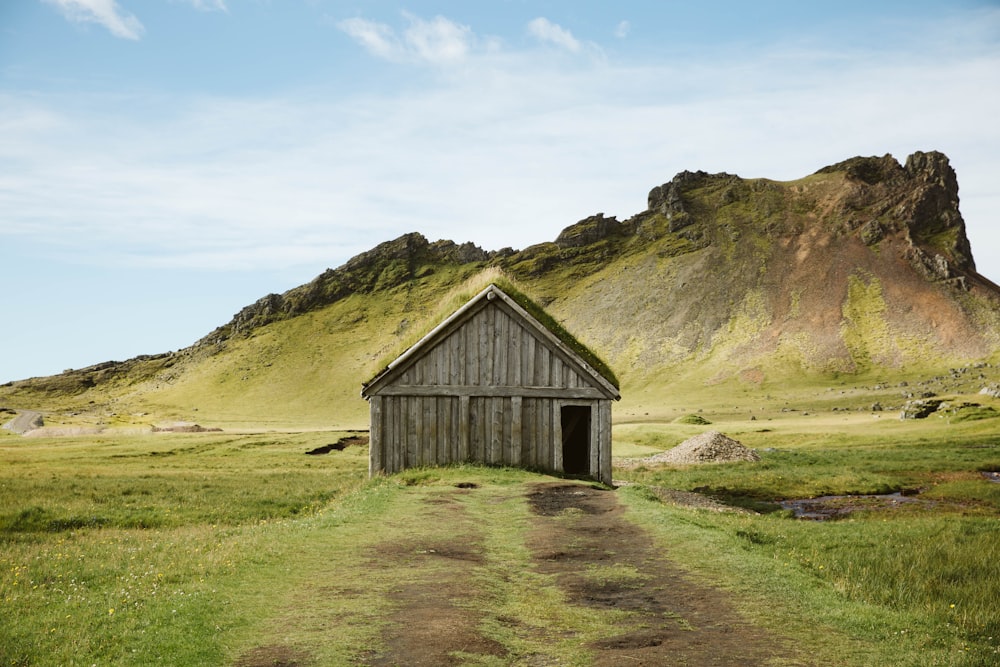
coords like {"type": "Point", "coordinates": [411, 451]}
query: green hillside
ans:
{"type": "Point", "coordinates": [859, 274]}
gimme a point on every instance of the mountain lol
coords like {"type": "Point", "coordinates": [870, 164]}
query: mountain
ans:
{"type": "Point", "coordinates": [861, 270]}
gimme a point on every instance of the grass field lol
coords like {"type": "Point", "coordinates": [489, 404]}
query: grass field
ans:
{"type": "Point", "coordinates": [192, 549]}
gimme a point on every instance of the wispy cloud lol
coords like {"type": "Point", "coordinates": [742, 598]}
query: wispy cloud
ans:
{"type": "Point", "coordinates": [104, 12]}
{"type": "Point", "coordinates": [437, 41]}
{"type": "Point", "coordinates": [118, 21]}
{"type": "Point", "coordinates": [377, 38]}
{"type": "Point", "coordinates": [622, 29]}
{"type": "Point", "coordinates": [208, 5]}
{"type": "Point", "coordinates": [546, 31]}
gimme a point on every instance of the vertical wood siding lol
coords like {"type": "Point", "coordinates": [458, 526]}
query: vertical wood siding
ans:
{"type": "Point", "coordinates": [409, 431]}
{"type": "Point", "coordinates": [490, 349]}
{"type": "Point", "coordinates": [604, 438]}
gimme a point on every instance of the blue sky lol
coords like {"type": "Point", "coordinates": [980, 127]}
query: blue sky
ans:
{"type": "Point", "coordinates": [164, 163]}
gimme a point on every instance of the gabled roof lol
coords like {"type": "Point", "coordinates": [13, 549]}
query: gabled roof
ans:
{"type": "Point", "coordinates": [532, 317]}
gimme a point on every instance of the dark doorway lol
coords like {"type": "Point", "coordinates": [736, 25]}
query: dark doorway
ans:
{"type": "Point", "coordinates": [576, 439]}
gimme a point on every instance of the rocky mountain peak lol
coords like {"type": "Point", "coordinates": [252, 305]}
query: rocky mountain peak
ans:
{"type": "Point", "coordinates": [918, 200]}
{"type": "Point", "coordinates": [863, 264]}
{"type": "Point", "coordinates": [868, 170]}
{"type": "Point", "coordinates": [933, 167]}
{"type": "Point", "coordinates": [913, 206]}
{"type": "Point", "coordinates": [668, 199]}
{"type": "Point", "coordinates": [385, 266]}
{"type": "Point", "coordinates": [932, 216]}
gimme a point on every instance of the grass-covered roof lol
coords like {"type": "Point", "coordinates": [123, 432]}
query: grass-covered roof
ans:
{"type": "Point", "coordinates": [463, 294]}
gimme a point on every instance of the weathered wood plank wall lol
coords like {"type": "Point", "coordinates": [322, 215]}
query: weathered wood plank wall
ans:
{"type": "Point", "coordinates": [490, 391]}
{"type": "Point", "coordinates": [492, 350]}
{"type": "Point", "coordinates": [410, 431]}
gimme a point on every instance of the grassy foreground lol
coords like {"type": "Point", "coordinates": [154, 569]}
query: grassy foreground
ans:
{"type": "Point", "coordinates": [192, 549]}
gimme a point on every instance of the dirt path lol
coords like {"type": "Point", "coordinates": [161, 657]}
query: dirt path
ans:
{"type": "Point", "coordinates": [24, 421]}
{"type": "Point", "coordinates": [577, 533]}
{"type": "Point", "coordinates": [435, 622]}
{"type": "Point", "coordinates": [675, 622]}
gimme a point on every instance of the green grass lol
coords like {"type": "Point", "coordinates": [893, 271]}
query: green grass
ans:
{"type": "Point", "coordinates": [134, 550]}
{"type": "Point", "coordinates": [166, 481]}
{"type": "Point", "coordinates": [191, 549]}
{"type": "Point", "coordinates": [807, 454]}
{"type": "Point", "coordinates": [921, 578]}
{"type": "Point", "coordinates": [693, 419]}
{"type": "Point", "coordinates": [875, 591]}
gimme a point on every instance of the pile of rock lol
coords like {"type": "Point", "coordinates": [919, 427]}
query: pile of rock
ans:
{"type": "Point", "coordinates": [708, 447]}
{"type": "Point", "coordinates": [25, 421]}
{"type": "Point", "coordinates": [184, 427]}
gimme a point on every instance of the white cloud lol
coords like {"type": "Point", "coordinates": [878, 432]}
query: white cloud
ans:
{"type": "Point", "coordinates": [209, 5]}
{"type": "Point", "coordinates": [379, 39]}
{"type": "Point", "coordinates": [507, 151]}
{"type": "Point", "coordinates": [546, 31]}
{"type": "Point", "coordinates": [105, 12]}
{"type": "Point", "coordinates": [622, 29]}
{"type": "Point", "coordinates": [437, 41]}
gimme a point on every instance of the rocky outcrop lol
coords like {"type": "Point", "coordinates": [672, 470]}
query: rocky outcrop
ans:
{"type": "Point", "coordinates": [589, 230]}
{"type": "Point", "coordinates": [668, 199]}
{"type": "Point", "coordinates": [919, 201]}
{"type": "Point", "coordinates": [385, 266]}
{"type": "Point", "coordinates": [920, 408]}
{"type": "Point", "coordinates": [76, 381]}
{"type": "Point", "coordinates": [868, 170]}
{"type": "Point", "coordinates": [931, 215]}
{"type": "Point", "coordinates": [872, 232]}
{"type": "Point", "coordinates": [992, 390]}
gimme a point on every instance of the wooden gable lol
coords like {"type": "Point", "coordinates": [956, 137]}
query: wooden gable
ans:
{"type": "Point", "coordinates": [492, 347]}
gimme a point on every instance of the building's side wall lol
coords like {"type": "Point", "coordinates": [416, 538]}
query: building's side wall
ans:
{"type": "Point", "coordinates": [411, 431]}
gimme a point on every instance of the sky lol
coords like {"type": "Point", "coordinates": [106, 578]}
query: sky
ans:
{"type": "Point", "coordinates": [164, 163]}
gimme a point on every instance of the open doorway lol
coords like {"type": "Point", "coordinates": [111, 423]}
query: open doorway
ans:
{"type": "Point", "coordinates": [576, 439]}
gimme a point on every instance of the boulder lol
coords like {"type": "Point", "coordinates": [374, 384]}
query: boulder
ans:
{"type": "Point", "coordinates": [587, 231]}
{"type": "Point", "coordinates": [872, 232]}
{"type": "Point", "coordinates": [920, 408]}
{"type": "Point", "coordinates": [992, 390]}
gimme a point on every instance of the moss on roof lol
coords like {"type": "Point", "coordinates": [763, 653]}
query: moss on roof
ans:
{"type": "Point", "coordinates": [466, 292]}
{"type": "Point", "coordinates": [568, 339]}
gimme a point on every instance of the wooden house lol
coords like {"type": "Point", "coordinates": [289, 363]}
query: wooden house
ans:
{"type": "Point", "coordinates": [493, 384]}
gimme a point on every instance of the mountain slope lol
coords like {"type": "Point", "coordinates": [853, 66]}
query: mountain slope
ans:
{"type": "Point", "coordinates": [861, 268]}
{"type": "Point", "coordinates": [863, 264]}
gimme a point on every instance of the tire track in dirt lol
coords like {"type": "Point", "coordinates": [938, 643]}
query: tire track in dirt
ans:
{"type": "Point", "coordinates": [582, 538]}
{"type": "Point", "coordinates": [434, 623]}
{"type": "Point", "coordinates": [579, 538]}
